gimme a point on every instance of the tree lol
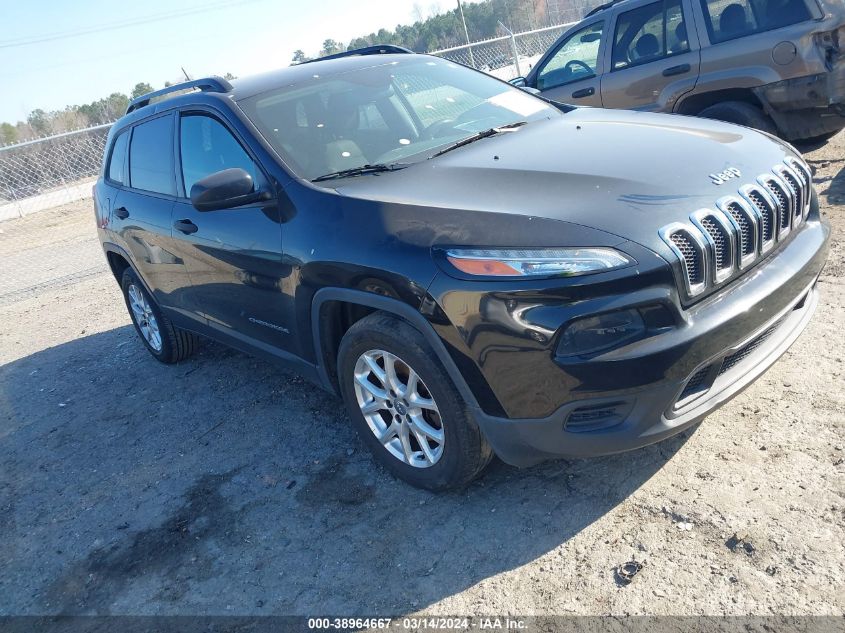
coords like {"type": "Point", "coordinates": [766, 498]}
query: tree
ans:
{"type": "Point", "coordinates": [330, 47]}
{"type": "Point", "coordinates": [298, 57]}
{"type": "Point", "coordinates": [141, 89]}
{"type": "Point", "coordinates": [39, 121]}
{"type": "Point", "coordinates": [229, 77]}
{"type": "Point", "coordinates": [8, 133]}
{"type": "Point", "coordinates": [419, 14]}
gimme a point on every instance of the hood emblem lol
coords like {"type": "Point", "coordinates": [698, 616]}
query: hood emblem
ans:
{"type": "Point", "coordinates": [723, 177]}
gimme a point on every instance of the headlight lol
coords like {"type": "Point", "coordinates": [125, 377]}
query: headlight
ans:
{"type": "Point", "coordinates": [565, 262]}
{"type": "Point", "coordinates": [593, 334]}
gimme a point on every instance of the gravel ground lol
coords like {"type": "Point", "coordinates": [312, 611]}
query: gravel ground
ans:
{"type": "Point", "coordinates": [226, 486]}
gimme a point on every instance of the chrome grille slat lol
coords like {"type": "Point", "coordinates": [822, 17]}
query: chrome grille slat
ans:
{"type": "Point", "coordinates": [766, 212]}
{"type": "Point", "coordinates": [745, 223]}
{"type": "Point", "coordinates": [721, 250]}
{"type": "Point", "coordinates": [782, 200]}
{"type": "Point", "coordinates": [806, 177]}
{"type": "Point", "coordinates": [690, 248]}
{"type": "Point", "coordinates": [719, 242]}
{"type": "Point", "coordinates": [719, 234]}
{"type": "Point", "coordinates": [791, 179]}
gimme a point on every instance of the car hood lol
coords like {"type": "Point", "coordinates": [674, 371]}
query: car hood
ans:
{"type": "Point", "coordinates": [624, 173]}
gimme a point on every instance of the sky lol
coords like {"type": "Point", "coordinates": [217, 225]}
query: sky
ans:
{"type": "Point", "coordinates": [55, 53]}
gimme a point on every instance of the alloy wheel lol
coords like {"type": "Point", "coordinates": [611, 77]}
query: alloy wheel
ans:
{"type": "Point", "coordinates": [399, 408]}
{"type": "Point", "coordinates": [142, 312]}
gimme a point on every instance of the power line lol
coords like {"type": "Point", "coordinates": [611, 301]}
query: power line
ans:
{"type": "Point", "coordinates": [122, 24]}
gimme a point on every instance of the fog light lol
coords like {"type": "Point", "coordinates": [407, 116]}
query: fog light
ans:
{"type": "Point", "coordinates": [593, 334]}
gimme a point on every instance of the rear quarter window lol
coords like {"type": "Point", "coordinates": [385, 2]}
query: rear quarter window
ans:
{"type": "Point", "coordinates": [731, 19]}
{"type": "Point", "coordinates": [151, 156]}
{"type": "Point", "coordinates": [115, 170]}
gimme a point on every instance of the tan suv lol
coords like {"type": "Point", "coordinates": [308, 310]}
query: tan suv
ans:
{"type": "Point", "coordinates": [776, 65]}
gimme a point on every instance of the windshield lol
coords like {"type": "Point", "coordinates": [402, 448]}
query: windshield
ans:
{"type": "Point", "coordinates": [391, 112]}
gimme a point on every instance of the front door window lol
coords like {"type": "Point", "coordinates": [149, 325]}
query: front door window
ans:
{"type": "Point", "coordinates": [576, 59]}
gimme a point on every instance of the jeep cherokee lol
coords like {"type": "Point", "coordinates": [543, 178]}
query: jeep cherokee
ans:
{"type": "Point", "coordinates": [473, 269]}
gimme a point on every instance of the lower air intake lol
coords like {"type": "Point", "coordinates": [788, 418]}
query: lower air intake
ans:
{"type": "Point", "coordinates": [597, 417]}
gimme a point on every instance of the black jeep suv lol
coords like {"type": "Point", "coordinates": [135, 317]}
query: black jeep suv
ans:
{"type": "Point", "coordinates": [475, 270]}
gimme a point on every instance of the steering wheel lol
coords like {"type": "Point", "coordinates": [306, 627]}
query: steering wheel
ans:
{"type": "Point", "coordinates": [431, 132]}
{"type": "Point", "coordinates": [577, 62]}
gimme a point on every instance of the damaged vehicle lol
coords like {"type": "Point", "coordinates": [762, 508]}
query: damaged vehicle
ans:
{"type": "Point", "coordinates": [775, 65]}
{"type": "Point", "coordinates": [474, 270]}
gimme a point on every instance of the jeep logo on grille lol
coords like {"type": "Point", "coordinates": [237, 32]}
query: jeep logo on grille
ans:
{"type": "Point", "coordinates": [725, 176]}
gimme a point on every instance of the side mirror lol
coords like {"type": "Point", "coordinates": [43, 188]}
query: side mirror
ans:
{"type": "Point", "coordinates": [590, 37]}
{"type": "Point", "coordinates": [226, 189]}
{"type": "Point", "coordinates": [519, 82]}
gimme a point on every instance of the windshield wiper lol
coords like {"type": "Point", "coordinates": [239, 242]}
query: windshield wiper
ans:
{"type": "Point", "coordinates": [510, 127]}
{"type": "Point", "coordinates": [360, 171]}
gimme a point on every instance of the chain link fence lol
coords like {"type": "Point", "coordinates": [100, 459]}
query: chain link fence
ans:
{"type": "Point", "coordinates": [45, 173]}
{"type": "Point", "coordinates": [508, 56]}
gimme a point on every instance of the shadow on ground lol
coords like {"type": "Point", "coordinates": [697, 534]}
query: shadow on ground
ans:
{"type": "Point", "coordinates": [223, 485]}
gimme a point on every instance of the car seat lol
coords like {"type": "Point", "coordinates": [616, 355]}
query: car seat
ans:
{"type": "Point", "coordinates": [342, 120]}
{"type": "Point", "coordinates": [732, 22]}
{"type": "Point", "coordinates": [648, 46]}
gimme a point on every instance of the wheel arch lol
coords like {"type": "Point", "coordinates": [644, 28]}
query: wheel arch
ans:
{"type": "Point", "coordinates": [334, 310]}
{"type": "Point", "coordinates": [119, 261]}
{"type": "Point", "coordinates": [695, 103]}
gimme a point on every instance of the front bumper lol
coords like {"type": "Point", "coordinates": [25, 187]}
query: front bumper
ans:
{"type": "Point", "coordinates": [639, 396]}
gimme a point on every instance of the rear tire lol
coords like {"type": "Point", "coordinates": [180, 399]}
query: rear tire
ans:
{"type": "Point", "coordinates": [383, 409]}
{"type": "Point", "coordinates": [740, 113]}
{"type": "Point", "coordinates": [167, 343]}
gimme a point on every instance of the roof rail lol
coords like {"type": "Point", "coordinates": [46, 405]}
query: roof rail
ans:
{"type": "Point", "coordinates": [382, 49]}
{"type": "Point", "coordinates": [207, 84]}
{"type": "Point", "coordinates": [601, 8]}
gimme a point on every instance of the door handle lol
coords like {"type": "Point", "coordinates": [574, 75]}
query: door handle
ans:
{"type": "Point", "coordinates": [677, 70]}
{"type": "Point", "coordinates": [185, 226]}
{"type": "Point", "coordinates": [586, 92]}
{"type": "Point", "coordinates": [122, 213]}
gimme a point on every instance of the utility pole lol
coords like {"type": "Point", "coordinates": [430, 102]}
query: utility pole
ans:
{"type": "Point", "coordinates": [466, 34]}
{"type": "Point", "coordinates": [514, 48]}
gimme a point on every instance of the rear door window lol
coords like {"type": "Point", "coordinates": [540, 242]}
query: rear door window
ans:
{"type": "Point", "coordinates": [151, 156]}
{"type": "Point", "coordinates": [117, 160]}
{"type": "Point", "coordinates": [732, 19]}
{"type": "Point", "coordinates": [648, 33]}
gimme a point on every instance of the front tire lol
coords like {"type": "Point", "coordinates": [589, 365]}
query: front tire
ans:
{"type": "Point", "coordinates": [405, 407]}
{"type": "Point", "coordinates": [167, 343]}
{"type": "Point", "coordinates": [740, 113]}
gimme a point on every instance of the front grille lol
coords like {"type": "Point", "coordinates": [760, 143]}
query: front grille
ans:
{"type": "Point", "coordinates": [719, 243]}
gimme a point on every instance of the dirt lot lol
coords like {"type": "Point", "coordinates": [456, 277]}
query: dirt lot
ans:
{"type": "Point", "coordinates": [225, 486]}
